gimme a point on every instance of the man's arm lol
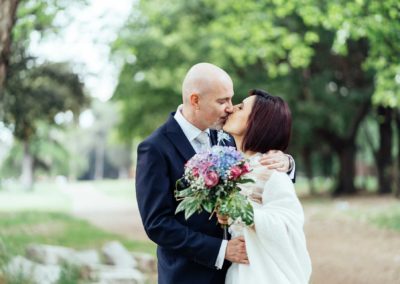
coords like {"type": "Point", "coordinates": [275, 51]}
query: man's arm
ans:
{"type": "Point", "coordinates": [157, 208]}
{"type": "Point", "coordinates": [280, 161]}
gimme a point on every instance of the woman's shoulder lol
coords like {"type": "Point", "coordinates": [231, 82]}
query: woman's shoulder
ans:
{"type": "Point", "coordinates": [279, 186]}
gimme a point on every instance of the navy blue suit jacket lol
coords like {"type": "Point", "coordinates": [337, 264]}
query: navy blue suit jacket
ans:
{"type": "Point", "coordinates": [186, 249]}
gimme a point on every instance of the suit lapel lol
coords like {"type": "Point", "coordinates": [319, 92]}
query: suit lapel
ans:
{"type": "Point", "coordinates": [178, 138]}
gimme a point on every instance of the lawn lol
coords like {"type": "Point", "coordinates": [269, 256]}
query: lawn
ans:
{"type": "Point", "coordinates": [41, 216]}
{"type": "Point", "coordinates": [45, 196]}
{"type": "Point", "coordinates": [19, 229]}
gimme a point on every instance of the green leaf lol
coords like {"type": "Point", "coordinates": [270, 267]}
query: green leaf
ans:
{"type": "Point", "coordinates": [245, 180]}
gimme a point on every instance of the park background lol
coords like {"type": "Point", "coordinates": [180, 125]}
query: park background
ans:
{"type": "Point", "coordinates": [83, 82]}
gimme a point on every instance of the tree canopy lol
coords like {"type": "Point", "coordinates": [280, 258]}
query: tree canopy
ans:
{"type": "Point", "coordinates": [331, 60]}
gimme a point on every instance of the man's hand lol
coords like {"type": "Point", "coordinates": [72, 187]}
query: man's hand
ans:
{"type": "Point", "coordinates": [276, 160]}
{"type": "Point", "coordinates": [236, 251]}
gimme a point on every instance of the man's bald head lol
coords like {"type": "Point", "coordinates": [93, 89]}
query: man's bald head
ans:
{"type": "Point", "coordinates": [202, 79]}
{"type": "Point", "coordinates": [207, 93]}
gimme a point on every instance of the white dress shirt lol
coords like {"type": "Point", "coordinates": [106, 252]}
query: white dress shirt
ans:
{"type": "Point", "coordinates": [192, 132]}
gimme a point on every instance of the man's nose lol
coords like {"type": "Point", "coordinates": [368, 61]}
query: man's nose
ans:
{"type": "Point", "coordinates": [230, 109]}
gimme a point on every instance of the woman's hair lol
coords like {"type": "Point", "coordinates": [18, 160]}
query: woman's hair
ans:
{"type": "Point", "coordinates": [269, 124]}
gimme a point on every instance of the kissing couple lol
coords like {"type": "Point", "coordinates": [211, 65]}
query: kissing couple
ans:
{"type": "Point", "coordinates": [272, 250]}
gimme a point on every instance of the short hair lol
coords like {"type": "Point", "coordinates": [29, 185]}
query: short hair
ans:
{"type": "Point", "coordinates": [269, 124]}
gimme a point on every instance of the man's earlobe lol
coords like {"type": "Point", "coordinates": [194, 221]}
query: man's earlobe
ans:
{"type": "Point", "coordinates": [194, 101]}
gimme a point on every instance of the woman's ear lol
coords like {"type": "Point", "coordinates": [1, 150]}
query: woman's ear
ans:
{"type": "Point", "coordinates": [194, 101]}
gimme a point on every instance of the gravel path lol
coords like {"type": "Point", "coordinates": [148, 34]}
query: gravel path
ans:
{"type": "Point", "coordinates": [349, 250]}
{"type": "Point", "coordinates": [344, 249]}
{"type": "Point", "coordinates": [111, 214]}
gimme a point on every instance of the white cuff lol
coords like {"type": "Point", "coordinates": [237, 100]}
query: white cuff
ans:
{"type": "Point", "coordinates": [292, 171]}
{"type": "Point", "coordinates": [221, 255]}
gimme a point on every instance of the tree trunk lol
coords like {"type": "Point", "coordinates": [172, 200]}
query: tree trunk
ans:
{"type": "Point", "coordinates": [27, 168]}
{"type": "Point", "coordinates": [345, 147]}
{"type": "Point", "coordinates": [397, 116]}
{"type": "Point", "coordinates": [99, 158]}
{"type": "Point", "coordinates": [347, 154]}
{"type": "Point", "coordinates": [306, 154]}
{"type": "Point", "coordinates": [384, 154]}
{"type": "Point", "coordinates": [8, 10]}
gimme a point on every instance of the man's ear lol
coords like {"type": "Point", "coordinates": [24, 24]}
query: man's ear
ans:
{"type": "Point", "coordinates": [194, 101]}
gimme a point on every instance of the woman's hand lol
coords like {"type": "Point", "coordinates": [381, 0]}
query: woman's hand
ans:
{"type": "Point", "coordinates": [222, 219]}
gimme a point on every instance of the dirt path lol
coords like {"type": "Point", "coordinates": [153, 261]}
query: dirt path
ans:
{"type": "Point", "coordinates": [113, 215]}
{"type": "Point", "coordinates": [344, 250]}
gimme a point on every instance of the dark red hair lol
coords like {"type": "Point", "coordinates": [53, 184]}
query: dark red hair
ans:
{"type": "Point", "coordinates": [269, 124]}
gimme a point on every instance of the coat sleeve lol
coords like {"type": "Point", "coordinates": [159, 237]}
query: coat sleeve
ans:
{"type": "Point", "coordinates": [279, 225]}
{"type": "Point", "coordinates": [281, 211]}
{"type": "Point", "coordinates": [157, 206]}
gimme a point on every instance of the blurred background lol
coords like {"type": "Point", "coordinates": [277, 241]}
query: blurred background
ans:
{"type": "Point", "coordinates": [83, 82]}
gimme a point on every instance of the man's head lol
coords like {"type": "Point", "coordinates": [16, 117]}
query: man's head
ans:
{"type": "Point", "coordinates": [207, 93]}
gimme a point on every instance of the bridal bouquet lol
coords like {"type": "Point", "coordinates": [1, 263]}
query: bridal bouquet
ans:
{"type": "Point", "coordinates": [210, 183]}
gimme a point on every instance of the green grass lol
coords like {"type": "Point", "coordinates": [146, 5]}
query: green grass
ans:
{"type": "Point", "coordinates": [45, 196]}
{"type": "Point", "coordinates": [388, 219]}
{"type": "Point", "coordinates": [22, 228]}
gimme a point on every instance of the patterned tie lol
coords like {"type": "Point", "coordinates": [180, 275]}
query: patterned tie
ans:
{"type": "Point", "coordinates": [203, 141]}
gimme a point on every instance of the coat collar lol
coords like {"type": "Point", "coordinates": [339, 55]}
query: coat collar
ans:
{"type": "Point", "coordinates": [175, 134]}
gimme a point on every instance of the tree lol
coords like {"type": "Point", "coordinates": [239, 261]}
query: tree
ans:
{"type": "Point", "coordinates": [47, 150]}
{"type": "Point", "coordinates": [318, 55]}
{"type": "Point", "coordinates": [108, 157]}
{"type": "Point", "coordinates": [33, 93]}
{"type": "Point", "coordinates": [8, 10]}
{"type": "Point", "coordinates": [37, 95]}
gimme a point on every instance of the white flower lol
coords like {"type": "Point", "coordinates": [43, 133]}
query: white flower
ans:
{"type": "Point", "coordinates": [222, 136]}
{"type": "Point", "coordinates": [246, 191]}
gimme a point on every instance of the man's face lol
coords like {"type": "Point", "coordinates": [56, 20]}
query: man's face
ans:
{"type": "Point", "coordinates": [216, 106]}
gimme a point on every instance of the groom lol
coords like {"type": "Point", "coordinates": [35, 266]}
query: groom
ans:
{"type": "Point", "coordinates": [189, 251]}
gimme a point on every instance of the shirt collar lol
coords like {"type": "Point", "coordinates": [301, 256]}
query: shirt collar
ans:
{"type": "Point", "coordinates": [190, 131]}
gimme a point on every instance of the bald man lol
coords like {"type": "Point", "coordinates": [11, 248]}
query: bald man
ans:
{"type": "Point", "coordinates": [188, 251]}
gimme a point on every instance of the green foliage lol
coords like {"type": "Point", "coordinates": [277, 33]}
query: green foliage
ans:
{"type": "Point", "coordinates": [237, 207]}
{"type": "Point", "coordinates": [37, 94]}
{"type": "Point", "coordinates": [267, 44]}
{"type": "Point", "coordinates": [38, 18]}
{"type": "Point", "coordinates": [225, 199]}
{"type": "Point", "coordinates": [48, 150]}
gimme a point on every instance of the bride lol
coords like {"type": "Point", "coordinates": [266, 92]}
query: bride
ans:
{"type": "Point", "coordinates": [275, 243]}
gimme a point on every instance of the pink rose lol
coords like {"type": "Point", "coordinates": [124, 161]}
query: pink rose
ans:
{"type": "Point", "coordinates": [245, 168]}
{"type": "Point", "coordinates": [196, 172]}
{"type": "Point", "coordinates": [211, 179]}
{"type": "Point", "coordinates": [236, 172]}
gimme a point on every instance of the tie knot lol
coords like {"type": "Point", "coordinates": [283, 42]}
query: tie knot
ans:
{"type": "Point", "coordinates": [204, 140]}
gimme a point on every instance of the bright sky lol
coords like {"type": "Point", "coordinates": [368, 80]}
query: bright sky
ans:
{"type": "Point", "coordinates": [86, 42]}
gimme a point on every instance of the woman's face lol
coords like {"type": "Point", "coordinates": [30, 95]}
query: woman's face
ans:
{"type": "Point", "coordinates": [237, 122]}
